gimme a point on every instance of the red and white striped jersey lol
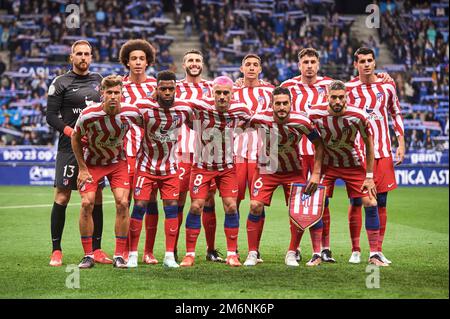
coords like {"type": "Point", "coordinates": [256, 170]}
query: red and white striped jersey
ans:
{"type": "Point", "coordinates": [339, 134]}
{"type": "Point", "coordinates": [157, 154]}
{"type": "Point", "coordinates": [379, 100]}
{"type": "Point", "coordinates": [257, 99]}
{"type": "Point", "coordinates": [286, 155]}
{"type": "Point", "coordinates": [105, 133]}
{"type": "Point", "coordinates": [131, 92]}
{"type": "Point", "coordinates": [187, 91]}
{"type": "Point", "coordinates": [305, 95]}
{"type": "Point", "coordinates": [215, 133]}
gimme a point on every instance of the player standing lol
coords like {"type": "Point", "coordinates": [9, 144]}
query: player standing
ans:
{"type": "Point", "coordinates": [157, 166]}
{"type": "Point", "coordinates": [216, 120]}
{"type": "Point", "coordinates": [379, 100]}
{"type": "Point", "coordinates": [194, 87]}
{"type": "Point", "coordinates": [308, 89]}
{"type": "Point", "coordinates": [256, 94]}
{"type": "Point", "coordinates": [104, 125]}
{"type": "Point", "coordinates": [288, 128]}
{"type": "Point", "coordinates": [136, 56]}
{"type": "Point", "coordinates": [67, 96]}
{"type": "Point", "coordinates": [339, 126]}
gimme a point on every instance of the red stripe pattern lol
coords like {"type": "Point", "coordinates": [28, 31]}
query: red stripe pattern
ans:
{"type": "Point", "coordinates": [131, 92]}
{"type": "Point", "coordinates": [106, 133]}
{"type": "Point", "coordinates": [305, 95]}
{"type": "Point", "coordinates": [258, 99]}
{"type": "Point", "coordinates": [157, 154]}
{"type": "Point", "coordinates": [189, 91]}
{"type": "Point", "coordinates": [339, 134]}
{"type": "Point", "coordinates": [215, 133]}
{"type": "Point", "coordinates": [287, 138]}
{"type": "Point", "coordinates": [378, 100]}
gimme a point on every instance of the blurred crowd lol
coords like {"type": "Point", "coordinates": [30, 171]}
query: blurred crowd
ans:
{"type": "Point", "coordinates": [276, 31]}
{"type": "Point", "coordinates": [38, 34]}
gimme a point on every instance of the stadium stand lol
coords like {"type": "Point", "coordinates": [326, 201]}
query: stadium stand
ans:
{"type": "Point", "coordinates": [35, 37]}
{"type": "Point", "coordinates": [35, 43]}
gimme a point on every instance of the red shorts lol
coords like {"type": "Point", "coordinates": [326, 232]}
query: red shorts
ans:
{"type": "Point", "coordinates": [145, 184]}
{"type": "Point", "coordinates": [307, 165]}
{"type": "Point", "coordinates": [201, 182]}
{"type": "Point", "coordinates": [384, 174]}
{"type": "Point", "coordinates": [117, 174]}
{"type": "Point", "coordinates": [184, 175]}
{"type": "Point", "coordinates": [264, 185]}
{"type": "Point", "coordinates": [352, 176]}
{"type": "Point", "coordinates": [245, 170]}
{"type": "Point", "coordinates": [131, 169]}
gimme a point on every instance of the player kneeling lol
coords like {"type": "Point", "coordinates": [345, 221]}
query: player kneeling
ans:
{"type": "Point", "coordinates": [104, 125]}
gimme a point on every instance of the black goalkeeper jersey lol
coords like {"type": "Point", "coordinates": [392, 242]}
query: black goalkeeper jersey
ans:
{"type": "Point", "coordinates": [68, 95]}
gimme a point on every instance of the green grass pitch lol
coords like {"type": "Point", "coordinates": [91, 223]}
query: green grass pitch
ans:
{"type": "Point", "coordinates": [416, 241]}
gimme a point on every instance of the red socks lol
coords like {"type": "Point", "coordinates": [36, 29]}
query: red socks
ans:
{"type": "Point", "coordinates": [86, 241]}
{"type": "Point", "coordinates": [383, 219]}
{"type": "Point", "coordinates": [209, 224]}
{"type": "Point", "coordinates": [151, 226]}
{"type": "Point", "coordinates": [326, 227]}
{"type": "Point", "coordinates": [355, 224]}
{"type": "Point", "coordinates": [121, 243]}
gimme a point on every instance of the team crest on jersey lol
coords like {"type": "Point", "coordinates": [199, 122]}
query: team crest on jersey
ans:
{"type": "Point", "coordinates": [176, 120]}
{"type": "Point", "coordinates": [205, 91]}
{"type": "Point", "coordinates": [380, 97]}
{"type": "Point", "coordinates": [321, 91]}
{"type": "Point", "coordinates": [260, 100]}
{"type": "Point", "coordinates": [137, 191]}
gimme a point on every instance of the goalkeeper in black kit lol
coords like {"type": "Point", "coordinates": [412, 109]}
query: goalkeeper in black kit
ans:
{"type": "Point", "coordinates": [68, 95]}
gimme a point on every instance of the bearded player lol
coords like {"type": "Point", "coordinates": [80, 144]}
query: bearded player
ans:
{"type": "Point", "coordinates": [287, 127]}
{"type": "Point", "coordinates": [157, 163]}
{"type": "Point", "coordinates": [67, 95]}
{"type": "Point", "coordinates": [194, 87]}
{"type": "Point", "coordinates": [339, 126]}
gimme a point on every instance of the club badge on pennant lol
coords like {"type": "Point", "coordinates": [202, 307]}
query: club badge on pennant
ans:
{"type": "Point", "coordinates": [306, 210]}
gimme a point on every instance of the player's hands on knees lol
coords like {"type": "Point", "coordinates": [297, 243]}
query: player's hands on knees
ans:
{"type": "Point", "coordinates": [312, 185]}
{"type": "Point", "coordinates": [83, 177]}
{"type": "Point", "coordinates": [369, 187]}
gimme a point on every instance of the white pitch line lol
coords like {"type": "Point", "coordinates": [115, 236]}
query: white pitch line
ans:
{"type": "Point", "coordinates": [46, 205]}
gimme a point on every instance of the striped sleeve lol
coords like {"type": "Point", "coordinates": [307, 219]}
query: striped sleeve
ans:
{"type": "Point", "coordinates": [395, 111]}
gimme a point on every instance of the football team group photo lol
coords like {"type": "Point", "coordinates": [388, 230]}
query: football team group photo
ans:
{"type": "Point", "coordinates": [224, 149]}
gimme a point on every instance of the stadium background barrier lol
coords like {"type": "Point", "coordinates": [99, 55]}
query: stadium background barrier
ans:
{"type": "Point", "coordinates": [35, 165]}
